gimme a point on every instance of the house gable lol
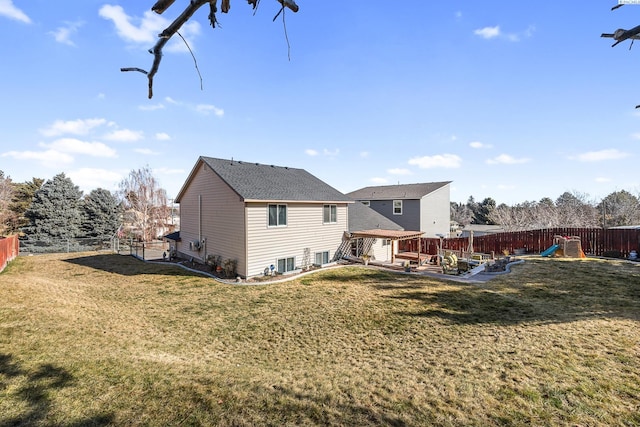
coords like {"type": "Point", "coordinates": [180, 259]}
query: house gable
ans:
{"type": "Point", "coordinates": [224, 204]}
{"type": "Point", "coordinates": [259, 182]}
{"type": "Point", "coordinates": [397, 192]}
{"type": "Point", "coordinates": [421, 206]}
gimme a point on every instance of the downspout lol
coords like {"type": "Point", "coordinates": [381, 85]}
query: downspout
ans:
{"type": "Point", "coordinates": [200, 225]}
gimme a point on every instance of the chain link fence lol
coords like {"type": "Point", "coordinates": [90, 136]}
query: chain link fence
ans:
{"type": "Point", "coordinates": [157, 250]}
{"type": "Point", "coordinates": [29, 246]}
{"type": "Point", "coordinates": [144, 250]}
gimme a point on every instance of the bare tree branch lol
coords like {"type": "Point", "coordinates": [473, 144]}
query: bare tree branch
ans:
{"type": "Point", "coordinates": [161, 5]}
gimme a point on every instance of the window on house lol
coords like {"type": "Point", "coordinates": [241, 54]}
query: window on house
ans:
{"type": "Point", "coordinates": [322, 258]}
{"type": "Point", "coordinates": [397, 207]}
{"type": "Point", "coordinates": [286, 264]}
{"type": "Point", "coordinates": [277, 215]}
{"type": "Point", "coordinates": [366, 202]}
{"type": "Point", "coordinates": [386, 242]}
{"type": "Point", "coordinates": [330, 214]}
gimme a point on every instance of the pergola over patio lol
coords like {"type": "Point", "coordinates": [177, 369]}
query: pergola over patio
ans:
{"type": "Point", "coordinates": [393, 235]}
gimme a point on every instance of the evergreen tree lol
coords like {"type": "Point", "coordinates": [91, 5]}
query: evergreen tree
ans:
{"type": "Point", "coordinates": [55, 210]}
{"type": "Point", "coordinates": [482, 213]}
{"type": "Point", "coordinates": [619, 208]}
{"type": "Point", "coordinates": [101, 214]}
{"type": "Point", "coordinates": [22, 198]}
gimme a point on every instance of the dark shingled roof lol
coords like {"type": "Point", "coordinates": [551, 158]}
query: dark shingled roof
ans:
{"type": "Point", "coordinates": [397, 192]}
{"type": "Point", "coordinates": [362, 217]}
{"type": "Point", "coordinates": [255, 181]}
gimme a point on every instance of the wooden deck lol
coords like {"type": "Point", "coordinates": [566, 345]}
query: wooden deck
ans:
{"type": "Point", "coordinates": [413, 257]}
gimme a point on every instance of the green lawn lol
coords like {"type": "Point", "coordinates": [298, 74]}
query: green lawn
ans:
{"type": "Point", "coordinates": [90, 339]}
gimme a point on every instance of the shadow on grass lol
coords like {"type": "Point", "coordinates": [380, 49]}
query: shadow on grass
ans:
{"type": "Point", "coordinates": [127, 265]}
{"type": "Point", "coordinates": [34, 390]}
{"type": "Point", "coordinates": [282, 405]}
{"type": "Point", "coordinates": [363, 275]}
{"type": "Point", "coordinates": [542, 293]}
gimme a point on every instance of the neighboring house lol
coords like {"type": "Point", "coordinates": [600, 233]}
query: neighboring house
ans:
{"type": "Point", "coordinates": [424, 207]}
{"type": "Point", "coordinates": [259, 215]}
{"type": "Point", "coordinates": [480, 230]}
{"type": "Point", "coordinates": [363, 218]}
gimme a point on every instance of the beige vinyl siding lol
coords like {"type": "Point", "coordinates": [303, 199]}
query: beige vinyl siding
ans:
{"type": "Point", "coordinates": [304, 229]}
{"type": "Point", "coordinates": [222, 220]}
{"type": "Point", "coordinates": [381, 252]}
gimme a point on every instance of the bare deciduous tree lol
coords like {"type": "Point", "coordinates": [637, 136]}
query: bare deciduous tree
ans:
{"type": "Point", "coordinates": [192, 6]}
{"type": "Point", "coordinates": [576, 210]}
{"type": "Point", "coordinates": [461, 213]}
{"type": "Point", "coordinates": [6, 196]}
{"type": "Point", "coordinates": [144, 203]}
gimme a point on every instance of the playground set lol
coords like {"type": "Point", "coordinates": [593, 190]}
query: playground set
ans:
{"type": "Point", "coordinates": [565, 246]}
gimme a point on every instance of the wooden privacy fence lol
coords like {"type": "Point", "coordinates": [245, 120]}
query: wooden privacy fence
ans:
{"type": "Point", "coordinates": [9, 248]}
{"type": "Point", "coordinates": [595, 241]}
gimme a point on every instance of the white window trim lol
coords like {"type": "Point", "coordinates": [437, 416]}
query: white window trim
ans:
{"type": "Point", "coordinates": [278, 225]}
{"type": "Point", "coordinates": [394, 207]}
{"type": "Point", "coordinates": [315, 255]}
{"type": "Point", "coordinates": [286, 258]}
{"type": "Point", "coordinates": [335, 208]}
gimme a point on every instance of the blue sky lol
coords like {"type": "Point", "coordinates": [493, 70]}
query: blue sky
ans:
{"type": "Point", "coordinates": [510, 100]}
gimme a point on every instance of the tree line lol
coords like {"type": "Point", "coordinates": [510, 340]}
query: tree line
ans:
{"type": "Point", "coordinates": [570, 209]}
{"type": "Point", "coordinates": [56, 209]}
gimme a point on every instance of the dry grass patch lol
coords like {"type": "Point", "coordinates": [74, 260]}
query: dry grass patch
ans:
{"type": "Point", "coordinates": [105, 339]}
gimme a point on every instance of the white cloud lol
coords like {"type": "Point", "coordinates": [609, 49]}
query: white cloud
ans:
{"type": "Point", "coordinates": [169, 171]}
{"type": "Point", "coordinates": [72, 145]}
{"type": "Point", "coordinates": [529, 31]}
{"type": "Point", "coordinates": [488, 32]}
{"type": "Point", "coordinates": [8, 10]}
{"type": "Point", "coordinates": [48, 158]}
{"type": "Point", "coordinates": [146, 32]}
{"type": "Point", "coordinates": [163, 136]}
{"type": "Point", "coordinates": [125, 135]}
{"type": "Point", "coordinates": [377, 180]}
{"type": "Point", "coordinates": [478, 145]}
{"type": "Point", "coordinates": [399, 171]}
{"type": "Point", "coordinates": [189, 30]}
{"type": "Point", "coordinates": [448, 161]}
{"type": "Point", "coordinates": [310, 152]}
{"type": "Point", "coordinates": [458, 15]}
{"type": "Point", "coordinates": [602, 179]}
{"type": "Point", "coordinates": [364, 154]}
{"type": "Point", "coordinates": [91, 178]}
{"type": "Point", "coordinates": [596, 156]}
{"type": "Point", "coordinates": [206, 109]}
{"type": "Point", "coordinates": [148, 27]}
{"type": "Point", "coordinates": [494, 32]}
{"type": "Point", "coordinates": [146, 151]}
{"type": "Point", "coordinates": [151, 107]}
{"type": "Point", "coordinates": [505, 159]}
{"type": "Point", "coordinates": [506, 187]}
{"type": "Point", "coordinates": [63, 34]}
{"type": "Point", "coordinates": [330, 153]}
{"type": "Point", "coordinates": [73, 127]}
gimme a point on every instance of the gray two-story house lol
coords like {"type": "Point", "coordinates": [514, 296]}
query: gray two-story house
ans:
{"type": "Point", "coordinates": [422, 206]}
